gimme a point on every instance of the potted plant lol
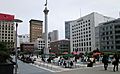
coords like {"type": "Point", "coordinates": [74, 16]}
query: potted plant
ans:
{"type": "Point", "coordinates": [6, 65]}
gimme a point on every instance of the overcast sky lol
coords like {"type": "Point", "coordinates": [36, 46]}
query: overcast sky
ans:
{"type": "Point", "coordinates": [60, 11]}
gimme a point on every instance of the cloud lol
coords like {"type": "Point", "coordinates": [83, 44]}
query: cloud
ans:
{"type": "Point", "coordinates": [60, 11]}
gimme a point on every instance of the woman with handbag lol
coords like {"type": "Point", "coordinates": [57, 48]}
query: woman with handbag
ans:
{"type": "Point", "coordinates": [115, 62]}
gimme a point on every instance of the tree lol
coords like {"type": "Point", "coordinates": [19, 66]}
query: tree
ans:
{"type": "Point", "coordinates": [4, 53]}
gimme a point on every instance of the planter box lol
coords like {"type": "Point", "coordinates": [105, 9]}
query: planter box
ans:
{"type": "Point", "coordinates": [6, 68]}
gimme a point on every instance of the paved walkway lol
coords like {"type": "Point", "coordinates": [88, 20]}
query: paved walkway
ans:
{"type": "Point", "coordinates": [55, 68]}
{"type": "Point", "coordinates": [92, 70]}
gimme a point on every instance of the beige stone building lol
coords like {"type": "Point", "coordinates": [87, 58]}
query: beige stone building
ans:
{"type": "Point", "coordinates": [36, 29]}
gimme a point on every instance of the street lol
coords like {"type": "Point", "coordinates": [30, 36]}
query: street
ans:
{"type": "Point", "coordinates": [24, 68]}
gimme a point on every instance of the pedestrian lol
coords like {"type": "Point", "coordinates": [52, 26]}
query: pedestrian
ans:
{"type": "Point", "coordinates": [105, 61]}
{"type": "Point", "coordinates": [65, 64]}
{"type": "Point", "coordinates": [90, 62]}
{"type": "Point", "coordinates": [115, 62]}
{"type": "Point", "coordinates": [71, 64]}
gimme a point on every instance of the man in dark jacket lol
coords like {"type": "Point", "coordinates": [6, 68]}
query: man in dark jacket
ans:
{"type": "Point", "coordinates": [105, 61]}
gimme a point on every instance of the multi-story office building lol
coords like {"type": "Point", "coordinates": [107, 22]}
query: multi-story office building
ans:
{"type": "Point", "coordinates": [7, 30]}
{"type": "Point", "coordinates": [60, 46]}
{"type": "Point", "coordinates": [53, 36]}
{"type": "Point", "coordinates": [40, 44]}
{"type": "Point", "coordinates": [27, 47]}
{"type": "Point", "coordinates": [24, 38]}
{"type": "Point", "coordinates": [82, 32]}
{"type": "Point", "coordinates": [36, 29]}
{"type": "Point", "coordinates": [67, 29]}
{"type": "Point", "coordinates": [109, 33]}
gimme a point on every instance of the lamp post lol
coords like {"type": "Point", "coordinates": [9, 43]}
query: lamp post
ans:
{"type": "Point", "coordinates": [16, 51]}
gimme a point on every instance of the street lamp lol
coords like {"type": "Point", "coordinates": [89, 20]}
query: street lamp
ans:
{"type": "Point", "coordinates": [16, 22]}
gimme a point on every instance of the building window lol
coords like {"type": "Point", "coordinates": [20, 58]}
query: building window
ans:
{"type": "Point", "coordinates": [89, 24]}
{"type": "Point", "coordinates": [90, 48]}
{"type": "Point", "coordinates": [89, 43]}
{"type": "Point", "coordinates": [89, 38]}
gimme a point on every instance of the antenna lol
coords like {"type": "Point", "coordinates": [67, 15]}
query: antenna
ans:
{"type": "Point", "coordinates": [119, 14]}
{"type": "Point", "coordinates": [46, 3]}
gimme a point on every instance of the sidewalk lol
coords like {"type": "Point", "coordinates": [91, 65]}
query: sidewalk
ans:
{"type": "Point", "coordinates": [55, 68]}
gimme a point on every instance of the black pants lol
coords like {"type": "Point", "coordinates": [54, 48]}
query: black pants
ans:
{"type": "Point", "coordinates": [105, 66]}
{"type": "Point", "coordinates": [115, 68]}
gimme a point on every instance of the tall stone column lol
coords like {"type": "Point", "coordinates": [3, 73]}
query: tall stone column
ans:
{"type": "Point", "coordinates": [46, 50]}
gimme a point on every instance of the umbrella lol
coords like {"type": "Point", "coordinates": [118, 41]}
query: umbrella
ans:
{"type": "Point", "coordinates": [52, 53]}
{"type": "Point", "coordinates": [68, 55]}
{"type": "Point", "coordinates": [75, 53]}
{"type": "Point", "coordinates": [65, 53]}
{"type": "Point", "coordinates": [97, 53]}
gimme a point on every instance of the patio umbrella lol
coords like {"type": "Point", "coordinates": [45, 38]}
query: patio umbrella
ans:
{"type": "Point", "coordinates": [97, 53]}
{"type": "Point", "coordinates": [75, 53]}
{"type": "Point", "coordinates": [52, 53]}
{"type": "Point", "coordinates": [68, 55]}
{"type": "Point", "coordinates": [65, 53]}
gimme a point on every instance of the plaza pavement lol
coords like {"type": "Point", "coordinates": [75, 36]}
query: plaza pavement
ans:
{"type": "Point", "coordinates": [25, 68]}
{"type": "Point", "coordinates": [92, 70]}
{"type": "Point", "coordinates": [77, 69]}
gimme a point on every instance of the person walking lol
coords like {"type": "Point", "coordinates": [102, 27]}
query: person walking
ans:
{"type": "Point", "coordinates": [115, 62]}
{"type": "Point", "coordinates": [90, 62]}
{"type": "Point", "coordinates": [105, 61]}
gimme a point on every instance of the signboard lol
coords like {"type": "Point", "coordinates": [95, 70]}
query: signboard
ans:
{"type": "Point", "coordinates": [6, 17]}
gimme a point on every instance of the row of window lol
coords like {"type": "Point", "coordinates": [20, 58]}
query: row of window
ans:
{"type": "Point", "coordinates": [117, 37]}
{"type": "Point", "coordinates": [107, 43]}
{"type": "Point", "coordinates": [6, 34]}
{"type": "Point", "coordinates": [107, 33]}
{"type": "Point", "coordinates": [6, 24]}
{"type": "Point", "coordinates": [6, 31]}
{"type": "Point", "coordinates": [41, 47]}
{"type": "Point", "coordinates": [82, 44]}
{"type": "Point", "coordinates": [63, 45]}
{"type": "Point", "coordinates": [107, 38]}
{"type": "Point", "coordinates": [81, 40]}
{"type": "Point", "coordinates": [20, 36]}
{"type": "Point", "coordinates": [37, 28]}
{"type": "Point", "coordinates": [117, 26]}
{"type": "Point", "coordinates": [41, 44]}
{"type": "Point", "coordinates": [6, 40]}
{"type": "Point", "coordinates": [41, 41]}
{"type": "Point", "coordinates": [80, 30]}
{"type": "Point", "coordinates": [108, 47]}
{"type": "Point", "coordinates": [7, 28]}
{"type": "Point", "coordinates": [106, 28]}
{"type": "Point", "coordinates": [81, 22]}
{"type": "Point", "coordinates": [81, 33]}
{"type": "Point", "coordinates": [81, 36]}
{"type": "Point", "coordinates": [82, 49]}
{"type": "Point", "coordinates": [80, 27]}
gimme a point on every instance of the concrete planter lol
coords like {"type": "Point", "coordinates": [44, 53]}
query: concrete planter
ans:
{"type": "Point", "coordinates": [6, 68]}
